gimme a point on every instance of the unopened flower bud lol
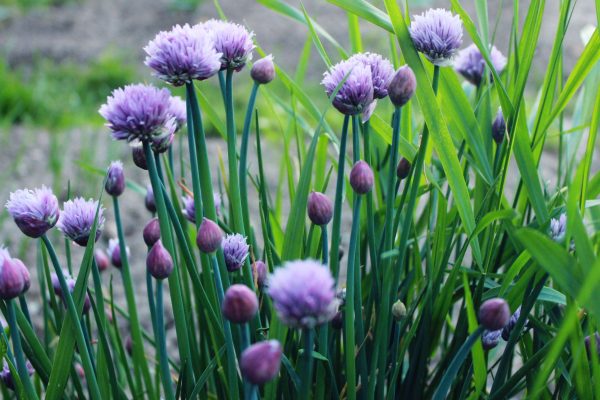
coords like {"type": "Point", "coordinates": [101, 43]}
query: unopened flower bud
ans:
{"type": "Point", "coordinates": [159, 261]}
{"type": "Point", "coordinates": [139, 157]}
{"type": "Point", "coordinates": [320, 209]}
{"type": "Point", "coordinates": [494, 314]}
{"type": "Point", "coordinates": [149, 200]}
{"type": "Point", "coordinates": [499, 128]}
{"type": "Point", "coordinates": [12, 277]}
{"type": "Point", "coordinates": [338, 320]}
{"type": "Point", "coordinates": [403, 168]}
{"type": "Point", "coordinates": [239, 304]}
{"type": "Point", "coordinates": [361, 177]}
{"type": "Point", "coordinates": [398, 310]}
{"type": "Point", "coordinates": [114, 252]}
{"type": "Point", "coordinates": [260, 362]}
{"type": "Point", "coordinates": [115, 181]}
{"type": "Point", "coordinates": [209, 236]}
{"type": "Point", "coordinates": [151, 232]}
{"type": "Point", "coordinates": [260, 272]}
{"type": "Point", "coordinates": [102, 260]}
{"type": "Point", "coordinates": [490, 339]}
{"type": "Point", "coordinates": [263, 70]}
{"type": "Point", "coordinates": [403, 86]}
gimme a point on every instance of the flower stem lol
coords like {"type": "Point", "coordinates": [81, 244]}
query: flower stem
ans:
{"type": "Point", "coordinates": [165, 372]}
{"type": "Point", "coordinates": [324, 245]}
{"type": "Point", "coordinates": [307, 366]}
{"type": "Point", "coordinates": [18, 350]}
{"type": "Point", "coordinates": [337, 208]}
{"type": "Point", "coordinates": [193, 156]}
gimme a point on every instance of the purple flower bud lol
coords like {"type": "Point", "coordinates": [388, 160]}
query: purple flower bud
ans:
{"type": "Point", "coordinates": [115, 181]}
{"type": "Point", "coordinates": [209, 236]}
{"type": "Point", "coordinates": [490, 339]}
{"type": "Point", "coordinates": [338, 320]}
{"type": "Point", "coordinates": [260, 362]}
{"type": "Point", "coordinates": [34, 211]}
{"type": "Point", "coordinates": [320, 209]}
{"type": "Point", "coordinates": [7, 378]}
{"type": "Point", "coordinates": [159, 261]}
{"type": "Point", "coordinates": [77, 220]}
{"type": "Point", "coordinates": [235, 250]}
{"type": "Point", "coordinates": [403, 168]}
{"type": "Point", "coordinates": [178, 109]}
{"type": "Point", "coordinates": [511, 324]}
{"type": "Point", "coordinates": [233, 41]}
{"type": "Point", "coordinates": [151, 232]}
{"type": "Point", "coordinates": [189, 210]}
{"type": "Point", "coordinates": [70, 281]}
{"type": "Point", "coordinates": [361, 177]}
{"type": "Point", "coordinates": [149, 200]}
{"type": "Point", "coordinates": [382, 71]}
{"type": "Point", "coordinates": [471, 64]}
{"type": "Point", "coordinates": [114, 252]}
{"type": "Point", "coordinates": [303, 293]}
{"type": "Point", "coordinates": [558, 228]}
{"type": "Point", "coordinates": [139, 157]}
{"type": "Point", "coordinates": [499, 127]}
{"type": "Point", "coordinates": [102, 260]}
{"type": "Point", "coordinates": [240, 304]}
{"type": "Point", "coordinates": [162, 144]}
{"type": "Point", "coordinates": [356, 93]}
{"type": "Point", "coordinates": [494, 314]}
{"type": "Point", "coordinates": [259, 273]}
{"type": "Point", "coordinates": [403, 86]}
{"type": "Point", "coordinates": [139, 113]}
{"type": "Point", "coordinates": [182, 54]}
{"type": "Point", "coordinates": [263, 70]}
{"type": "Point", "coordinates": [398, 310]}
{"type": "Point", "coordinates": [437, 34]}
{"type": "Point", "coordinates": [14, 277]}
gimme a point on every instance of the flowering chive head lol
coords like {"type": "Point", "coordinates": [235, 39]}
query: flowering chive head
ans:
{"type": "Point", "coordinates": [356, 93]}
{"type": "Point", "coordinates": [320, 208]}
{"type": "Point", "coordinates": [471, 64]}
{"type": "Point", "coordinates": [499, 127]}
{"type": "Point", "coordinates": [77, 219]}
{"type": "Point", "coordinates": [303, 293]}
{"type": "Point", "coordinates": [232, 41]}
{"type": "Point", "coordinates": [382, 72]}
{"type": "Point", "coordinates": [115, 180]}
{"type": "Point", "coordinates": [34, 211]}
{"type": "Point", "coordinates": [235, 250]}
{"type": "Point", "coordinates": [260, 272]}
{"type": "Point", "coordinates": [139, 113]}
{"type": "Point", "coordinates": [149, 200]}
{"type": "Point", "coordinates": [361, 177]}
{"type": "Point", "coordinates": [240, 304]}
{"type": "Point", "coordinates": [178, 109]}
{"type": "Point", "coordinates": [182, 54]}
{"type": "Point", "coordinates": [260, 362]}
{"type": "Point", "coordinates": [437, 33]}
{"type": "Point", "coordinates": [558, 228]}
{"type": "Point", "coordinates": [494, 314]}
{"type": "Point", "coordinates": [403, 86]}
{"type": "Point", "coordinates": [151, 232]}
{"type": "Point", "coordinates": [209, 236]}
{"type": "Point", "coordinates": [159, 262]}
{"type": "Point", "coordinates": [263, 70]}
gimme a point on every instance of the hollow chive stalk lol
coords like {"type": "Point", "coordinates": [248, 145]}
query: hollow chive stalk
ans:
{"type": "Point", "coordinates": [140, 363]}
{"type": "Point", "coordinates": [174, 279]}
{"type": "Point", "coordinates": [18, 352]}
{"type": "Point", "coordinates": [249, 388]}
{"type": "Point", "coordinates": [334, 262]}
{"type": "Point", "coordinates": [370, 212]}
{"type": "Point", "coordinates": [307, 364]}
{"type": "Point", "coordinates": [165, 372]}
{"type": "Point", "coordinates": [74, 315]}
{"type": "Point", "coordinates": [193, 156]}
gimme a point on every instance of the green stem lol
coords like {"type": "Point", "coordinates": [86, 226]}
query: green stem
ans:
{"type": "Point", "coordinates": [18, 350]}
{"type": "Point", "coordinates": [244, 344]}
{"type": "Point", "coordinates": [165, 371]}
{"type": "Point", "coordinates": [151, 302]}
{"type": "Point", "coordinates": [193, 157]}
{"type": "Point", "coordinates": [134, 322]}
{"type": "Point", "coordinates": [337, 208]}
{"type": "Point", "coordinates": [307, 366]}
{"type": "Point", "coordinates": [74, 315]}
{"type": "Point", "coordinates": [324, 244]}
{"type": "Point", "coordinates": [370, 212]}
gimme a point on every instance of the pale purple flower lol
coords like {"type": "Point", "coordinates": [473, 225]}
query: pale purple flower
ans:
{"type": "Point", "coordinates": [558, 228]}
{"type": "Point", "coordinates": [178, 109]}
{"type": "Point", "coordinates": [7, 378]}
{"type": "Point", "coordinates": [303, 293]}
{"type": "Point", "coordinates": [77, 218]}
{"type": "Point", "coordinates": [356, 93]}
{"type": "Point", "coordinates": [471, 64]}
{"type": "Point", "coordinates": [14, 276]}
{"type": "Point", "coordinates": [183, 54]}
{"type": "Point", "coordinates": [139, 113]}
{"type": "Point", "coordinates": [235, 250]}
{"type": "Point", "coordinates": [34, 211]}
{"type": "Point", "coordinates": [490, 339]}
{"type": "Point", "coordinates": [382, 72]}
{"type": "Point", "coordinates": [260, 362]}
{"type": "Point", "coordinates": [437, 34]}
{"type": "Point", "coordinates": [233, 41]}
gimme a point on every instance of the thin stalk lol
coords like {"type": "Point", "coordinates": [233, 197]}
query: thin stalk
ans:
{"type": "Point", "coordinates": [72, 310]}
{"type": "Point", "coordinates": [307, 365]}
{"type": "Point", "coordinates": [324, 245]}
{"type": "Point", "coordinates": [134, 322]}
{"type": "Point", "coordinates": [193, 157]}
{"type": "Point", "coordinates": [165, 371]}
{"type": "Point", "coordinates": [151, 302]}
{"type": "Point", "coordinates": [244, 343]}
{"type": "Point", "coordinates": [18, 350]}
{"type": "Point", "coordinates": [23, 304]}
{"type": "Point", "coordinates": [370, 213]}
{"type": "Point", "coordinates": [337, 208]}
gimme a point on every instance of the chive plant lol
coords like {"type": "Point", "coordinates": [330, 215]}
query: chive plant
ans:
{"type": "Point", "coordinates": [422, 274]}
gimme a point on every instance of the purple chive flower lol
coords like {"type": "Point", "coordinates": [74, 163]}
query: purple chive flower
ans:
{"type": "Point", "coordinates": [403, 86]}
{"type": "Point", "coordinates": [437, 34]}
{"type": "Point", "coordinates": [506, 331]}
{"type": "Point", "coordinates": [494, 314]}
{"type": "Point", "coordinates": [235, 250]}
{"type": "Point", "coordinates": [182, 54]}
{"type": "Point", "coordinates": [233, 41]}
{"type": "Point", "coordinates": [263, 70]}
{"type": "Point", "coordinates": [159, 262]}
{"type": "Point", "coordinates": [490, 339]}
{"type": "Point", "coordinates": [240, 304]}
{"type": "Point", "coordinates": [102, 260]}
{"type": "Point", "coordinates": [259, 272]}
{"type": "Point", "coordinates": [139, 158]}
{"type": "Point", "coordinates": [209, 237]}
{"type": "Point", "coordinates": [303, 293]}
{"type": "Point", "coordinates": [7, 378]}
{"type": "Point", "coordinates": [320, 208]}
{"type": "Point", "coordinates": [149, 199]}
{"type": "Point", "coordinates": [178, 109]}
{"type": "Point", "coordinates": [361, 177]}
{"type": "Point", "coordinates": [114, 252]}
{"type": "Point", "coordinates": [34, 211]}
{"type": "Point", "coordinates": [499, 127]}
{"type": "Point", "coordinates": [356, 93]}
{"type": "Point", "coordinates": [189, 209]}
{"type": "Point", "coordinates": [558, 228]}
{"type": "Point", "coordinates": [77, 218]}
{"type": "Point", "coordinates": [162, 144]}
{"type": "Point", "coordinates": [139, 113]}
{"type": "Point", "coordinates": [151, 232]}
{"type": "Point", "coordinates": [382, 72]}
{"type": "Point", "coordinates": [471, 64]}
{"type": "Point", "coordinates": [14, 276]}
{"type": "Point", "coordinates": [260, 362]}
{"type": "Point", "coordinates": [70, 281]}
{"type": "Point", "coordinates": [115, 181]}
